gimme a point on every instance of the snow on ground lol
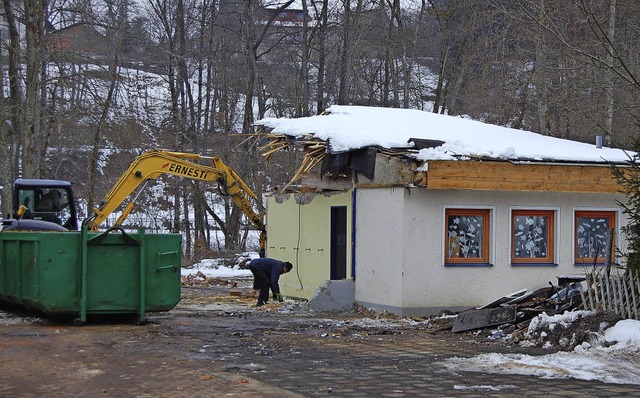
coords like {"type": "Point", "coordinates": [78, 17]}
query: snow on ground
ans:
{"type": "Point", "coordinates": [218, 268]}
{"type": "Point", "coordinates": [611, 357]}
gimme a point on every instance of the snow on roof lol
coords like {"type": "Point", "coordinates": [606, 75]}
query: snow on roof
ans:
{"type": "Point", "coordinates": [351, 127]}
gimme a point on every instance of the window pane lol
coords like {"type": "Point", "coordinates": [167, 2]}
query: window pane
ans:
{"type": "Point", "coordinates": [531, 236]}
{"type": "Point", "coordinates": [592, 232]}
{"type": "Point", "coordinates": [464, 238]}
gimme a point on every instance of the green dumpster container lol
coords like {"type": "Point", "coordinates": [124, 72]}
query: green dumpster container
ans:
{"type": "Point", "coordinates": [85, 273]}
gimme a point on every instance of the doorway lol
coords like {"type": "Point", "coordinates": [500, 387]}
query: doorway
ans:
{"type": "Point", "coordinates": [338, 242]}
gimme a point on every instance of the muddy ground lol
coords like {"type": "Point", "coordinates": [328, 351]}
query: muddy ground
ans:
{"type": "Point", "coordinates": [216, 343]}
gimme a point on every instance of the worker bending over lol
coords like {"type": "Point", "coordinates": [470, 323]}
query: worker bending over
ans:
{"type": "Point", "coordinates": [266, 273]}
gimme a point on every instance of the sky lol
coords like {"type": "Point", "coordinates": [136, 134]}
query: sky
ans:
{"type": "Point", "coordinates": [351, 127]}
{"type": "Point", "coordinates": [613, 357]}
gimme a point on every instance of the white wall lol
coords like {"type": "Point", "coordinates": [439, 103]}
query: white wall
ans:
{"type": "Point", "coordinates": [400, 243]}
{"type": "Point", "coordinates": [380, 246]}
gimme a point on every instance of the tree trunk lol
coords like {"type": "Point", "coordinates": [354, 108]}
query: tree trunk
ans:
{"type": "Point", "coordinates": [186, 225]}
{"type": "Point", "coordinates": [176, 227]}
{"type": "Point", "coordinates": [439, 100]}
{"type": "Point", "coordinates": [9, 141]}
{"type": "Point", "coordinates": [345, 59]}
{"type": "Point", "coordinates": [321, 56]}
{"type": "Point", "coordinates": [388, 58]}
{"type": "Point", "coordinates": [541, 86]}
{"type": "Point", "coordinates": [187, 106]}
{"type": "Point", "coordinates": [304, 70]}
{"type": "Point", "coordinates": [608, 135]}
{"type": "Point", "coordinates": [97, 137]}
{"type": "Point", "coordinates": [34, 31]}
{"type": "Point", "coordinates": [248, 38]}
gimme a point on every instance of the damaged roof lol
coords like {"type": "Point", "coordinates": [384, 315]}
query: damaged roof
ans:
{"type": "Point", "coordinates": [427, 136]}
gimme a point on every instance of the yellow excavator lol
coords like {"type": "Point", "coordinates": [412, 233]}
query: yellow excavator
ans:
{"type": "Point", "coordinates": [148, 166]}
{"type": "Point", "coordinates": [154, 163]}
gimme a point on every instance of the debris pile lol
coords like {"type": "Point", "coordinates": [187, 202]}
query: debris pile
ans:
{"type": "Point", "coordinates": [566, 331]}
{"type": "Point", "coordinates": [516, 310]}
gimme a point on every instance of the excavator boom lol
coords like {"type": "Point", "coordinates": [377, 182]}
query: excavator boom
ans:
{"type": "Point", "coordinates": [153, 163]}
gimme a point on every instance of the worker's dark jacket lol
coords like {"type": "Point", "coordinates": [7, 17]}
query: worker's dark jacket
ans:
{"type": "Point", "coordinates": [271, 268]}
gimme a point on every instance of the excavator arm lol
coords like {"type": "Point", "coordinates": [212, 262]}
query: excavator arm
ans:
{"type": "Point", "coordinates": [154, 163]}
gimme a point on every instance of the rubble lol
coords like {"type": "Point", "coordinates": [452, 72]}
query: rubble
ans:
{"type": "Point", "coordinates": [516, 310]}
{"type": "Point", "coordinates": [566, 331]}
{"type": "Point", "coordinates": [485, 317]}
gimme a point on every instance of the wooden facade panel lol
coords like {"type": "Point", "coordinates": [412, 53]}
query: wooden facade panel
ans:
{"type": "Point", "coordinates": [507, 176]}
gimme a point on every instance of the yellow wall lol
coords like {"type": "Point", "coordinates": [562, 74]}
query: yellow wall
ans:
{"type": "Point", "coordinates": [304, 221]}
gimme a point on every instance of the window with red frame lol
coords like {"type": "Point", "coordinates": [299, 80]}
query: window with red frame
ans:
{"type": "Point", "coordinates": [592, 230]}
{"type": "Point", "coordinates": [467, 236]}
{"type": "Point", "coordinates": [532, 237]}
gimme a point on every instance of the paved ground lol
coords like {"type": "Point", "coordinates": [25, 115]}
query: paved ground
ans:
{"type": "Point", "coordinates": [214, 344]}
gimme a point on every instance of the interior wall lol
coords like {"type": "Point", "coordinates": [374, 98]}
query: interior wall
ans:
{"type": "Point", "coordinates": [299, 231]}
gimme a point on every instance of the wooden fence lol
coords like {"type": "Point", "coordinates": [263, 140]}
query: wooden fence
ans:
{"type": "Point", "coordinates": [613, 290]}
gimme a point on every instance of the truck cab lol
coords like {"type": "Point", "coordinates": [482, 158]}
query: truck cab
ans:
{"type": "Point", "coordinates": [45, 200]}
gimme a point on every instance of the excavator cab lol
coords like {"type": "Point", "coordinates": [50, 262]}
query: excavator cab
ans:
{"type": "Point", "coordinates": [45, 200]}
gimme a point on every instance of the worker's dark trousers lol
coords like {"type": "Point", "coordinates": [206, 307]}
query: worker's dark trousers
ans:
{"type": "Point", "coordinates": [261, 282]}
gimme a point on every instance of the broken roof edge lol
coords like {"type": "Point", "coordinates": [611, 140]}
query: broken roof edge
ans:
{"type": "Point", "coordinates": [302, 189]}
{"type": "Point", "coordinates": [317, 153]}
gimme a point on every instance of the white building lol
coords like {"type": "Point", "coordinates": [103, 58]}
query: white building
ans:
{"type": "Point", "coordinates": [424, 212]}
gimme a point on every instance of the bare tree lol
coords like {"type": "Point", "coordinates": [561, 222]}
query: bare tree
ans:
{"type": "Point", "coordinates": [321, 51]}
{"type": "Point", "coordinates": [609, 73]}
{"type": "Point", "coordinates": [116, 18]}
{"type": "Point", "coordinates": [34, 12]}
{"type": "Point", "coordinates": [458, 24]}
{"type": "Point", "coordinates": [11, 111]}
{"type": "Point", "coordinates": [349, 28]}
{"type": "Point", "coordinates": [304, 61]}
{"type": "Point", "coordinates": [164, 16]}
{"type": "Point", "coordinates": [599, 38]}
